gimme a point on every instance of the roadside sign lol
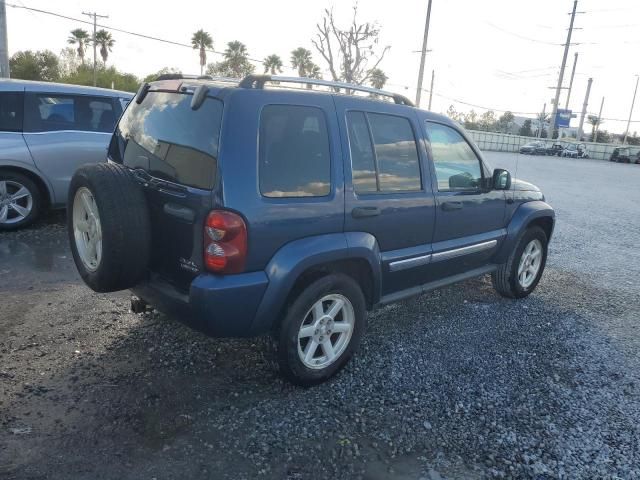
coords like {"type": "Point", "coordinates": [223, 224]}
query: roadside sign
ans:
{"type": "Point", "coordinates": [563, 117]}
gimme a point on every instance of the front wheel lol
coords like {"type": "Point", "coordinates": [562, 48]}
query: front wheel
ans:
{"type": "Point", "coordinates": [519, 276]}
{"type": "Point", "coordinates": [20, 201]}
{"type": "Point", "coordinates": [321, 330]}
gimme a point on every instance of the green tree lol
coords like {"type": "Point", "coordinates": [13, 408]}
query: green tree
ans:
{"type": "Point", "coordinates": [105, 41]}
{"type": "Point", "coordinates": [525, 129]}
{"type": "Point", "coordinates": [80, 38]}
{"type": "Point", "coordinates": [487, 121]}
{"type": "Point", "coordinates": [471, 120]}
{"type": "Point", "coordinates": [377, 78]}
{"type": "Point", "coordinates": [505, 121]}
{"type": "Point", "coordinates": [163, 71]}
{"type": "Point", "coordinates": [202, 41]}
{"type": "Point", "coordinates": [301, 60]}
{"type": "Point", "coordinates": [595, 122]}
{"type": "Point", "coordinates": [105, 78]}
{"type": "Point", "coordinates": [41, 65]}
{"type": "Point", "coordinates": [68, 60]}
{"type": "Point", "coordinates": [236, 62]}
{"type": "Point", "coordinates": [272, 64]}
{"type": "Point", "coordinates": [602, 136]}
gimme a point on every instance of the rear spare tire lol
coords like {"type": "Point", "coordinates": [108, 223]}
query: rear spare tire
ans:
{"type": "Point", "coordinates": [108, 226]}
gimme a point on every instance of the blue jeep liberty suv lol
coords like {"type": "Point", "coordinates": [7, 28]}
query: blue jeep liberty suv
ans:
{"type": "Point", "coordinates": [250, 207]}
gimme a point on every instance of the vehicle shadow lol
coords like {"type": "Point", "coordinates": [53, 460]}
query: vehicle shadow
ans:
{"type": "Point", "coordinates": [457, 380]}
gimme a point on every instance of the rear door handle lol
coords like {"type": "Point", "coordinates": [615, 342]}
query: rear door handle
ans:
{"type": "Point", "coordinates": [362, 212]}
{"type": "Point", "coordinates": [448, 206]}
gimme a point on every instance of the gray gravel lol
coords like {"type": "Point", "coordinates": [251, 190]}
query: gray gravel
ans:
{"type": "Point", "coordinates": [458, 383]}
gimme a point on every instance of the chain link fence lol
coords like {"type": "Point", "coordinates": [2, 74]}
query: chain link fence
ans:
{"type": "Point", "coordinates": [505, 142]}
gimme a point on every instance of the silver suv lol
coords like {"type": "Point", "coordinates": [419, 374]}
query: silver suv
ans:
{"type": "Point", "coordinates": [47, 130]}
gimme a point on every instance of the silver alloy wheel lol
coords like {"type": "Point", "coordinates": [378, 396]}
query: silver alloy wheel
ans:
{"type": "Point", "coordinates": [87, 229]}
{"type": "Point", "coordinates": [16, 202]}
{"type": "Point", "coordinates": [326, 331]}
{"type": "Point", "coordinates": [530, 262]}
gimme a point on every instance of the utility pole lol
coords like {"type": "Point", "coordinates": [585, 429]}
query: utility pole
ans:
{"type": "Point", "coordinates": [573, 72]}
{"type": "Point", "coordinates": [541, 120]}
{"type": "Point", "coordinates": [433, 74]}
{"type": "Point", "coordinates": [93, 40]}
{"type": "Point", "coordinates": [626, 132]}
{"type": "Point", "coordinates": [584, 110]}
{"type": "Point", "coordinates": [423, 55]}
{"type": "Point", "coordinates": [595, 130]}
{"type": "Point", "coordinates": [561, 76]}
{"type": "Point", "coordinates": [4, 46]}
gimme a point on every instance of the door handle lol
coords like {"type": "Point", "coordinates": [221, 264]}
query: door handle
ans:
{"type": "Point", "coordinates": [362, 212]}
{"type": "Point", "coordinates": [448, 206]}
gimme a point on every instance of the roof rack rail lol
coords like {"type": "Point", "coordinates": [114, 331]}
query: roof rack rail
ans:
{"type": "Point", "coordinates": [258, 81]}
{"type": "Point", "coordinates": [181, 76]}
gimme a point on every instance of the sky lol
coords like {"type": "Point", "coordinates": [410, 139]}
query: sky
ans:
{"type": "Point", "coordinates": [490, 54]}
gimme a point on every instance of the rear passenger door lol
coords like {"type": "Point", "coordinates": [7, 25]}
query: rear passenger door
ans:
{"type": "Point", "coordinates": [470, 215]}
{"type": "Point", "coordinates": [387, 187]}
{"type": "Point", "coordinates": [66, 131]}
{"type": "Point", "coordinates": [13, 150]}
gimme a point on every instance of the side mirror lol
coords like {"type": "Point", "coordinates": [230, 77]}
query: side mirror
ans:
{"type": "Point", "coordinates": [501, 179]}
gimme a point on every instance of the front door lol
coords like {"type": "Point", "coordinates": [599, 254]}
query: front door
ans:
{"type": "Point", "coordinates": [470, 215]}
{"type": "Point", "coordinates": [66, 131]}
{"type": "Point", "coordinates": [387, 188]}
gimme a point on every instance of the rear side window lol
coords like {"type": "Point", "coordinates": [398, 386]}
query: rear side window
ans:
{"type": "Point", "coordinates": [11, 108]}
{"type": "Point", "coordinates": [52, 112]}
{"type": "Point", "coordinates": [384, 154]}
{"type": "Point", "coordinates": [169, 140]}
{"type": "Point", "coordinates": [294, 152]}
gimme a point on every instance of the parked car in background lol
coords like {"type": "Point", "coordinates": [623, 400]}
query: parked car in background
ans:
{"type": "Point", "coordinates": [47, 130]}
{"type": "Point", "coordinates": [555, 150]}
{"type": "Point", "coordinates": [534, 148]}
{"type": "Point", "coordinates": [575, 150]}
{"type": "Point", "coordinates": [624, 155]}
{"type": "Point", "coordinates": [244, 208]}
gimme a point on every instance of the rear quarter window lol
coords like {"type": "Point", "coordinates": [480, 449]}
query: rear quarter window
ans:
{"type": "Point", "coordinates": [169, 140]}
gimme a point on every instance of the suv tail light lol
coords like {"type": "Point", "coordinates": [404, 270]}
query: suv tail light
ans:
{"type": "Point", "coordinates": [225, 242]}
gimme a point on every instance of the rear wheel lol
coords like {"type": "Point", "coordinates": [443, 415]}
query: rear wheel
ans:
{"type": "Point", "coordinates": [519, 276]}
{"type": "Point", "coordinates": [20, 201]}
{"type": "Point", "coordinates": [321, 330]}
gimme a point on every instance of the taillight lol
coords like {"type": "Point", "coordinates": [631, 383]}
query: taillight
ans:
{"type": "Point", "coordinates": [225, 242]}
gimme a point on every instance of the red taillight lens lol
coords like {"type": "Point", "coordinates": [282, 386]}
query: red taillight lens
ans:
{"type": "Point", "coordinates": [225, 242]}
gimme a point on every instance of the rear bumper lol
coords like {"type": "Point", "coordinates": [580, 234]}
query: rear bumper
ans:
{"type": "Point", "coordinates": [221, 306]}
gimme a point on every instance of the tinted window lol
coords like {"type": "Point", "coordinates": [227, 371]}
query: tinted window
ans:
{"type": "Point", "coordinates": [294, 152]}
{"type": "Point", "coordinates": [48, 112]}
{"type": "Point", "coordinates": [165, 137]}
{"type": "Point", "coordinates": [391, 162]}
{"type": "Point", "coordinates": [11, 111]}
{"type": "Point", "coordinates": [457, 166]}
{"type": "Point", "coordinates": [362, 157]}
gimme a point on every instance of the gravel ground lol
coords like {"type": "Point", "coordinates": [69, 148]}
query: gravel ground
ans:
{"type": "Point", "coordinates": [457, 383]}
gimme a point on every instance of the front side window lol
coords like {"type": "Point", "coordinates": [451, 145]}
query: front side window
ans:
{"type": "Point", "coordinates": [294, 152]}
{"type": "Point", "coordinates": [11, 107]}
{"type": "Point", "coordinates": [384, 154]}
{"type": "Point", "coordinates": [52, 112]}
{"type": "Point", "coordinates": [457, 166]}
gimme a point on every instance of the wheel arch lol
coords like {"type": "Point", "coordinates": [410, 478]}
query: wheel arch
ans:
{"type": "Point", "coordinates": [303, 261]}
{"type": "Point", "coordinates": [44, 188]}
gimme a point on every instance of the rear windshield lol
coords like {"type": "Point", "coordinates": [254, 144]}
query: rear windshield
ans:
{"type": "Point", "coordinates": [169, 140]}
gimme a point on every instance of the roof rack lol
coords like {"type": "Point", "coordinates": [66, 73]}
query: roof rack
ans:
{"type": "Point", "coordinates": [181, 76]}
{"type": "Point", "coordinates": [258, 81]}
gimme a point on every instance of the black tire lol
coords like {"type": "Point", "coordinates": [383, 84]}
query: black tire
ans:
{"type": "Point", "coordinates": [124, 219]}
{"type": "Point", "coordinates": [291, 366]}
{"type": "Point", "coordinates": [505, 279]}
{"type": "Point", "coordinates": [36, 201]}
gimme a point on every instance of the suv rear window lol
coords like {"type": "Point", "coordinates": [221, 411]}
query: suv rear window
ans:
{"type": "Point", "coordinates": [294, 152]}
{"type": "Point", "coordinates": [169, 140]}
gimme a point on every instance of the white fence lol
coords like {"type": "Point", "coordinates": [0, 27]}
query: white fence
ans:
{"type": "Point", "coordinates": [505, 142]}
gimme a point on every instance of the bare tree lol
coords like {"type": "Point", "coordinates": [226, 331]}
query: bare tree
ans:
{"type": "Point", "coordinates": [348, 51]}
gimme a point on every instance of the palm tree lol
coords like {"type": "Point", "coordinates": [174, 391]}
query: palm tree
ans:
{"type": "Point", "coordinates": [272, 64]}
{"type": "Point", "coordinates": [595, 122]}
{"type": "Point", "coordinates": [79, 37]}
{"type": "Point", "coordinates": [105, 41]}
{"type": "Point", "coordinates": [377, 78]}
{"type": "Point", "coordinates": [301, 59]}
{"type": "Point", "coordinates": [237, 59]}
{"type": "Point", "coordinates": [202, 40]}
